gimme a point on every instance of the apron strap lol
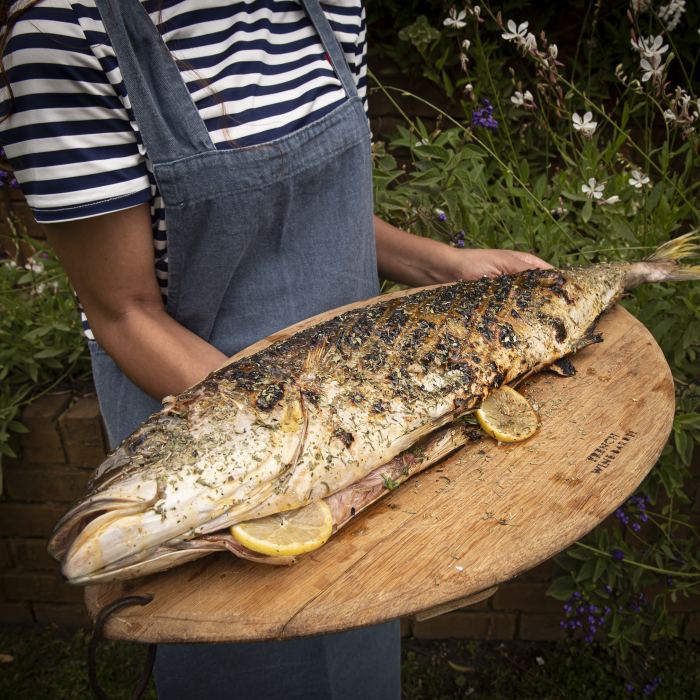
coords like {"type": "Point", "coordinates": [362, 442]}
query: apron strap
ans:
{"type": "Point", "coordinates": [168, 119]}
{"type": "Point", "coordinates": [331, 44]}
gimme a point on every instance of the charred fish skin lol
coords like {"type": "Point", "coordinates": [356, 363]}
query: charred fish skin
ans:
{"type": "Point", "coordinates": [313, 414]}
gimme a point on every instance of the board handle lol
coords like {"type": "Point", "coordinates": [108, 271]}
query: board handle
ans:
{"type": "Point", "coordinates": [454, 604]}
{"type": "Point", "coordinates": [95, 638]}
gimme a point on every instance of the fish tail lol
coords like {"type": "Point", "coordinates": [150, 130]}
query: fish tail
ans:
{"type": "Point", "coordinates": [662, 265]}
{"type": "Point", "coordinates": [671, 252]}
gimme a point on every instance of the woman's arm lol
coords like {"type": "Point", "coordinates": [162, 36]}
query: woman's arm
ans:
{"type": "Point", "coordinates": [418, 261]}
{"type": "Point", "coordinates": [109, 261]}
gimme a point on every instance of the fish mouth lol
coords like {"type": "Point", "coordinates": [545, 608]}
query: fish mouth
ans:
{"type": "Point", "coordinates": [72, 540]}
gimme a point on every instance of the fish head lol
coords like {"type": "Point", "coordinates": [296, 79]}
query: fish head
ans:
{"type": "Point", "coordinates": [189, 470]}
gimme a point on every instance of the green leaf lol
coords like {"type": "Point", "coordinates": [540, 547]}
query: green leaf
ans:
{"type": "Point", "coordinates": [587, 211]}
{"type": "Point", "coordinates": [600, 567]}
{"type": "Point", "coordinates": [432, 151]}
{"type": "Point", "coordinates": [524, 171]}
{"type": "Point", "coordinates": [6, 450]}
{"type": "Point", "coordinates": [471, 152]}
{"type": "Point", "coordinates": [562, 588]}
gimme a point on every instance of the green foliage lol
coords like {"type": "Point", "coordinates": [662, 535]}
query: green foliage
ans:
{"type": "Point", "coordinates": [537, 671]}
{"type": "Point", "coordinates": [41, 343]}
{"type": "Point", "coordinates": [52, 664]}
{"type": "Point", "coordinates": [615, 188]}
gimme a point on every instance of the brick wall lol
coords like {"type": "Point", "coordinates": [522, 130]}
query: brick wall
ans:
{"type": "Point", "coordinates": [64, 444]}
{"type": "Point", "coordinates": [66, 441]}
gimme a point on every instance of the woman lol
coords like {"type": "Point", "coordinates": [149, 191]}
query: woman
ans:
{"type": "Point", "coordinates": [232, 138]}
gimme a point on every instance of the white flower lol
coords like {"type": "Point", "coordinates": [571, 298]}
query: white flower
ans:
{"type": "Point", "coordinates": [611, 200]}
{"type": "Point", "coordinates": [639, 5]}
{"type": "Point", "coordinates": [517, 34]}
{"type": "Point", "coordinates": [530, 43]}
{"type": "Point", "coordinates": [653, 69]}
{"type": "Point", "coordinates": [637, 179]}
{"type": "Point", "coordinates": [651, 47]}
{"type": "Point", "coordinates": [553, 51]}
{"type": "Point", "coordinates": [477, 10]}
{"type": "Point", "coordinates": [36, 268]}
{"type": "Point", "coordinates": [466, 44]}
{"type": "Point", "coordinates": [455, 20]}
{"type": "Point", "coordinates": [439, 211]}
{"type": "Point", "coordinates": [540, 661]}
{"type": "Point", "coordinates": [592, 189]}
{"type": "Point", "coordinates": [671, 13]}
{"type": "Point", "coordinates": [40, 289]}
{"type": "Point", "coordinates": [669, 116]}
{"type": "Point", "coordinates": [586, 126]}
{"type": "Point", "coordinates": [560, 211]}
{"type": "Point", "coordinates": [10, 264]}
{"type": "Point", "coordinates": [520, 99]}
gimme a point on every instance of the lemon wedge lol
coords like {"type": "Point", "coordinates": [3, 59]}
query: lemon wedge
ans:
{"type": "Point", "coordinates": [288, 533]}
{"type": "Point", "coordinates": [507, 416]}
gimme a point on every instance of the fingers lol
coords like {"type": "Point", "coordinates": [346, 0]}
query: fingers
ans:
{"type": "Point", "coordinates": [530, 260]}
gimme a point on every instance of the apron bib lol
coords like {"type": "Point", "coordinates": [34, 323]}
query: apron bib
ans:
{"type": "Point", "coordinates": [258, 239]}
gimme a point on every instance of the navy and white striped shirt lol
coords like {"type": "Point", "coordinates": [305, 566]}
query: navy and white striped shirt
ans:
{"type": "Point", "coordinates": [256, 70]}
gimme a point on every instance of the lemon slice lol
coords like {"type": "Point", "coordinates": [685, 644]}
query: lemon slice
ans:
{"type": "Point", "coordinates": [507, 416]}
{"type": "Point", "coordinates": [288, 533]}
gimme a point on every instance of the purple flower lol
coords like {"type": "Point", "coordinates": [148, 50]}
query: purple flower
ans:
{"type": "Point", "coordinates": [606, 610]}
{"type": "Point", "coordinates": [13, 183]}
{"type": "Point", "coordinates": [592, 609]}
{"type": "Point", "coordinates": [567, 608]}
{"type": "Point", "coordinates": [629, 687]}
{"type": "Point", "coordinates": [588, 639]}
{"type": "Point", "coordinates": [670, 581]}
{"type": "Point", "coordinates": [460, 244]}
{"type": "Point", "coordinates": [636, 527]}
{"type": "Point", "coordinates": [45, 256]}
{"type": "Point", "coordinates": [591, 628]}
{"type": "Point", "coordinates": [643, 517]}
{"type": "Point", "coordinates": [576, 595]}
{"type": "Point", "coordinates": [608, 590]}
{"type": "Point", "coordinates": [483, 118]}
{"type": "Point", "coordinates": [579, 623]}
{"type": "Point", "coordinates": [461, 234]}
{"type": "Point", "coordinates": [572, 624]}
{"type": "Point", "coordinates": [442, 217]}
{"type": "Point", "coordinates": [590, 619]}
{"type": "Point", "coordinates": [618, 555]}
{"type": "Point", "coordinates": [562, 624]}
{"type": "Point", "coordinates": [641, 505]}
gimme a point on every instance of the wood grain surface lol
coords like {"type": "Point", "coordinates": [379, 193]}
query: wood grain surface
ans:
{"type": "Point", "coordinates": [480, 517]}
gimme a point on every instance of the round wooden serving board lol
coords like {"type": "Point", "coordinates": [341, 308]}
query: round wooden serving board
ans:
{"type": "Point", "coordinates": [482, 516]}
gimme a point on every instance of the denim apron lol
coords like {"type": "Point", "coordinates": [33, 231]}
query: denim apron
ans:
{"type": "Point", "coordinates": [258, 239]}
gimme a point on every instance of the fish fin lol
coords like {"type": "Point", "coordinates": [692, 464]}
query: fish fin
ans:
{"type": "Point", "coordinates": [564, 367]}
{"type": "Point", "coordinates": [587, 340]}
{"type": "Point", "coordinates": [315, 355]}
{"type": "Point", "coordinates": [678, 248]}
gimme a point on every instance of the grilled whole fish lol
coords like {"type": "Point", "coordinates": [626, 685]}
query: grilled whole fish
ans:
{"type": "Point", "coordinates": [314, 416]}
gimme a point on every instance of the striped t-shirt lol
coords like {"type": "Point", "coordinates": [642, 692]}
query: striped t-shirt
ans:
{"type": "Point", "coordinates": [256, 70]}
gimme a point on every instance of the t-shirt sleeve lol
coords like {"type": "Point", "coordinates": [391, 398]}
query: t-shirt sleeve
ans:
{"type": "Point", "coordinates": [70, 138]}
{"type": "Point", "coordinates": [348, 21]}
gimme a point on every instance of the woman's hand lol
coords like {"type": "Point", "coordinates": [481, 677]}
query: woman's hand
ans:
{"type": "Point", "coordinates": [417, 261]}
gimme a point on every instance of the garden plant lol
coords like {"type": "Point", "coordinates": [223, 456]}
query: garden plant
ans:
{"type": "Point", "coordinates": [568, 129]}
